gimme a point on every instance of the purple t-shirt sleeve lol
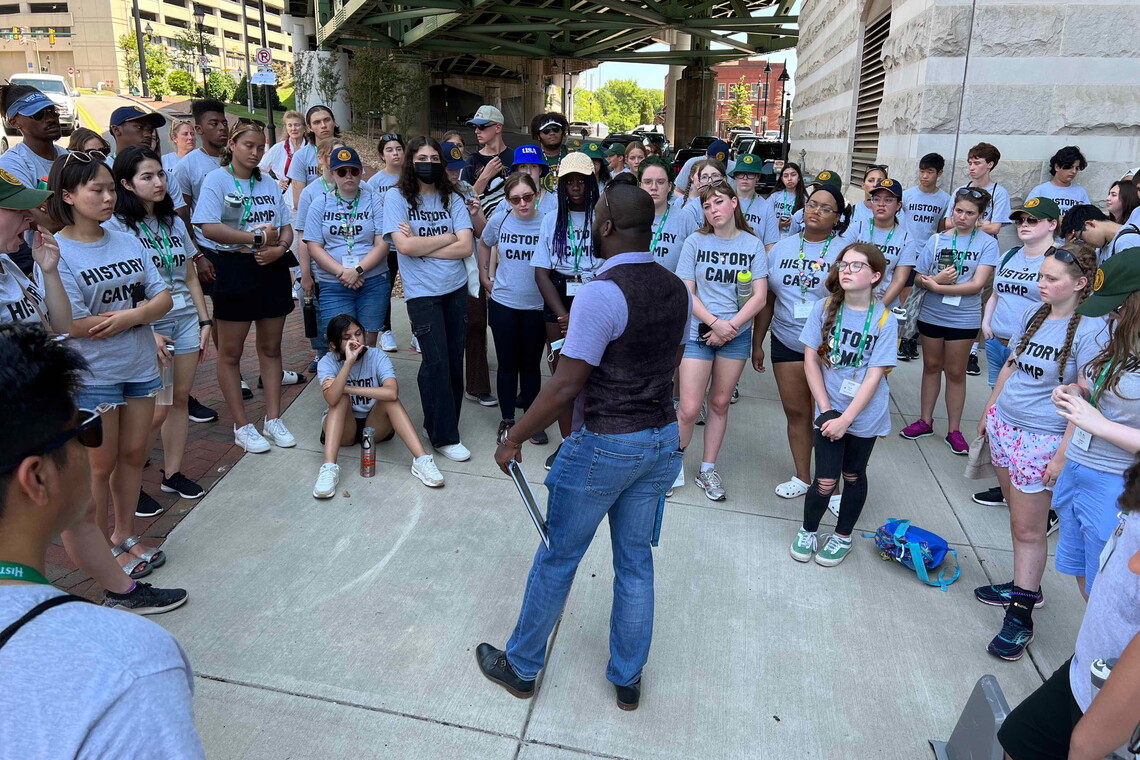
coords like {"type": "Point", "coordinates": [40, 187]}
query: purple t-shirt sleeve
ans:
{"type": "Point", "coordinates": [598, 316]}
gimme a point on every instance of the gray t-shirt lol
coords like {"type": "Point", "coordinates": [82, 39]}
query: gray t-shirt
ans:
{"type": "Point", "coordinates": [113, 274]}
{"type": "Point", "coordinates": [330, 217]}
{"type": "Point", "coordinates": [1015, 285]}
{"type": "Point", "coordinates": [1128, 236]}
{"type": "Point", "coordinates": [713, 263]}
{"type": "Point", "coordinates": [923, 212]}
{"type": "Point", "coordinates": [898, 247]}
{"type": "Point", "coordinates": [797, 283]}
{"type": "Point", "coordinates": [880, 350]}
{"type": "Point", "coordinates": [381, 181]}
{"type": "Point", "coordinates": [303, 167]}
{"type": "Point", "coordinates": [997, 210]}
{"type": "Point", "coordinates": [975, 251]}
{"type": "Point", "coordinates": [1064, 197]}
{"type": "Point", "coordinates": [21, 300]}
{"type": "Point", "coordinates": [759, 214]}
{"type": "Point", "coordinates": [312, 191]}
{"type": "Point", "coordinates": [172, 266]}
{"type": "Point", "coordinates": [424, 275]}
{"type": "Point", "coordinates": [667, 240]}
{"type": "Point", "coordinates": [26, 166]}
{"type": "Point", "coordinates": [267, 206]}
{"type": "Point", "coordinates": [783, 204]}
{"type": "Point", "coordinates": [861, 214]}
{"type": "Point", "coordinates": [579, 239]}
{"type": "Point", "coordinates": [1024, 400]}
{"type": "Point", "coordinates": [517, 239]}
{"type": "Point", "coordinates": [371, 369]}
{"type": "Point", "coordinates": [189, 173]}
{"type": "Point", "coordinates": [1119, 405]}
{"type": "Point", "coordinates": [80, 680]}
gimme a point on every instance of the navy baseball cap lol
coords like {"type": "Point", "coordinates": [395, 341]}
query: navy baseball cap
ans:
{"type": "Point", "coordinates": [345, 156]}
{"type": "Point", "coordinates": [453, 155]}
{"type": "Point", "coordinates": [30, 105]}
{"type": "Point", "coordinates": [889, 185]}
{"type": "Point", "coordinates": [134, 113]}
{"type": "Point", "coordinates": [529, 154]}
{"type": "Point", "coordinates": [718, 149]}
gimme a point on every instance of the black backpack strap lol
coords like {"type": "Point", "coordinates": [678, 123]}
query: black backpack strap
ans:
{"type": "Point", "coordinates": [35, 612]}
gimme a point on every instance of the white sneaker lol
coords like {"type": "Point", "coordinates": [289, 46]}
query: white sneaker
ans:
{"type": "Point", "coordinates": [456, 452]}
{"type": "Point", "coordinates": [327, 480]}
{"type": "Point", "coordinates": [424, 468]}
{"type": "Point", "coordinates": [416, 345]}
{"type": "Point", "coordinates": [388, 342]}
{"type": "Point", "coordinates": [249, 439]}
{"type": "Point", "coordinates": [244, 385]}
{"type": "Point", "coordinates": [276, 431]}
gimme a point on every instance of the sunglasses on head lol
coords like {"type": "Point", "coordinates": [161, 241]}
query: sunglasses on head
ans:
{"type": "Point", "coordinates": [970, 192]}
{"type": "Point", "coordinates": [881, 167]}
{"type": "Point", "coordinates": [85, 156]}
{"type": "Point", "coordinates": [515, 200]}
{"type": "Point", "coordinates": [346, 171]}
{"type": "Point", "coordinates": [88, 431]}
{"type": "Point", "coordinates": [390, 137]}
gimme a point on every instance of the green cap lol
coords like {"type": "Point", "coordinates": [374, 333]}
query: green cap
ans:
{"type": "Point", "coordinates": [573, 144]}
{"type": "Point", "coordinates": [13, 194]}
{"type": "Point", "coordinates": [1038, 208]}
{"type": "Point", "coordinates": [827, 177]}
{"type": "Point", "coordinates": [749, 163]}
{"type": "Point", "coordinates": [1116, 279]}
{"type": "Point", "coordinates": [593, 149]}
{"type": "Point", "coordinates": [617, 149]}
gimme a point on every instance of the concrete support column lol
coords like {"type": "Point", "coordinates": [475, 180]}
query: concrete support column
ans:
{"type": "Point", "coordinates": [418, 115]}
{"type": "Point", "coordinates": [568, 97]}
{"type": "Point", "coordinates": [534, 91]}
{"type": "Point", "coordinates": [299, 29]}
{"type": "Point", "coordinates": [695, 105]}
{"type": "Point", "coordinates": [682, 43]}
{"type": "Point", "coordinates": [494, 96]}
{"type": "Point", "coordinates": [312, 63]}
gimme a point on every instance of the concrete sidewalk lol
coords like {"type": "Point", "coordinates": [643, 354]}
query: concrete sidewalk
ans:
{"type": "Point", "coordinates": [347, 627]}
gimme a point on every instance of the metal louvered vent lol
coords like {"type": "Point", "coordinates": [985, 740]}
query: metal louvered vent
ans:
{"type": "Point", "coordinates": [871, 80]}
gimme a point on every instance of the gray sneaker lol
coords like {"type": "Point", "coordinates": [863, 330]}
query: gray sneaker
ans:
{"type": "Point", "coordinates": [710, 483]}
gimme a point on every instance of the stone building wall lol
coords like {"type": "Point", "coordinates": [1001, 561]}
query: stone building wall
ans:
{"type": "Point", "coordinates": [1027, 77]}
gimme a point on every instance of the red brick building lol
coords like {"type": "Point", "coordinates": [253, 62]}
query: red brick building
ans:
{"type": "Point", "coordinates": [765, 94]}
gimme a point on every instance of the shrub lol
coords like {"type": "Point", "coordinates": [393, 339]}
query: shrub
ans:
{"type": "Point", "coordinates": [181, 82]}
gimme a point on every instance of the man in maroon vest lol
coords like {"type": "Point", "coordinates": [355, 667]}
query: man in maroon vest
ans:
{"type": "Point", "coordinates": [617, 364]}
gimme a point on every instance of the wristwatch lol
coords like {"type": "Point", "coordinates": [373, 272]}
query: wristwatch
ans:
{"type": "Point", "coordinates": [259, 237]}
{"type": "Point", "coordinates": [359, 269]}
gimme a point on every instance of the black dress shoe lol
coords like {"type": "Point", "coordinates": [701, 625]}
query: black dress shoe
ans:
{"type": "Point", "coordinates": [629, 696]}
{"type": "Point", "coordinates": [493, 663]}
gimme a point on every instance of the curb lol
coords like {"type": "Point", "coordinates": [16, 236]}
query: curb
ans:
{"type": "Point", "coordinates": [148, 106]}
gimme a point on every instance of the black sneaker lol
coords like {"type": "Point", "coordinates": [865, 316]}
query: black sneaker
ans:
{"type": "Point", "coordinates": [912, 348]}
{"type": "Point", "coordinates": [145, 599]}
{"type": "Point", "coordinates": [200, 413]}
{"type": "Point", "coordinates": [147, 506]}
{"type": "Point", "coordinates": [494, 665]}
{"type": "Point", "coordinates": [628, 697]}
{"type": "Point", "coordinates": [1054, 523]}
{"type": "Point", "coordinates": [903, 355]}
{"type": "Point", "coordinates": [246, 393]}
{"type": "Point", "coordinates": [483, 399]}
{"type": "Point", "coordinates": [735, 394]}
{"type": "Point", "coordinates": [972, 367]}
{"type": "Point", "coordinates": [182, 485]}
{"type": "Point", "coordinates": [550, 459]}
{"type": "Point", "coordinates": [990, 498]}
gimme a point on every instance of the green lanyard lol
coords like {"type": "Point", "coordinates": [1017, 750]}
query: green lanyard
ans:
{"type": "Point", "coordinates": [163, 246]}
{"type": "Point", "coordinates": [581, 245]}
{"type": "Point", "coordinates": [346, 227]}
{"type": "Point", "coordinates": [787, 206]}
{"type": "Point", "coordinates": [660, 227]}
{"type": "Point", "coordinates": [958, 258]}
{"type": "Point", "coordinates": [835, 354]}
{"type": "Point", "coordinates": [819, 264]}
{"type": "Point", "coordinates": [886, 242]}
{"type": "Point", "coordinates": [1099, 383]}
{"type": "Point", "coordinates": [246, 199]}
{"type": "Point", "coordinates": [749, 206]}
{"type": "Point", "coordinates": [14, 571]}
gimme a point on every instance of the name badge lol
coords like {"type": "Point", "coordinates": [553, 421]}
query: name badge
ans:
{"type": "Point", "coordinates": [1081, 439]}
{"type": "Point", "coordinates": [802, 310]}
{"type": "Point", "coordinates": [849, 388]}
{"type": "Point", "coordinates": [572, 288]}
{"type": "Point", "coordinates": [350, 261]}
{"type": "Point", "coordinates": [179, 301]}
{"type": "Point", "coordinates": [951, 300]}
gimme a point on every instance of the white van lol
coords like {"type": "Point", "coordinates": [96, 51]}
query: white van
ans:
{"type": "Point", "coordinates": [60, 92]}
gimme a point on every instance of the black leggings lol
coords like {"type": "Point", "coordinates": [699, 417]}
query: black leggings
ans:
{"type": "Point", "coordinates": [520, 336]}
{"type": "Point", "coordinates": [393, 269]}
{"type": "Point", "coordinates": [847, 456]}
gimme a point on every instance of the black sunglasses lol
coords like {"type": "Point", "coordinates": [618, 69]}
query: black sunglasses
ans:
{"type": "Point", "coordinates": [344, 171]}
{"type": "Point", "coordinates": [881, 167]}
{"type": "Point", "coordinates": [41, 115]}
{"type": "Point", "coordinates": [390, 137]}
{"type": "Point", "coordinates": [551, 130]}
{"type": "Point", "coordinates": [970, 192]}
{"type": "Point", "coordinates": [89, 432]}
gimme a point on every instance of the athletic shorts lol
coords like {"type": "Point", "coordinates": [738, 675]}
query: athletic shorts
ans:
{"type": "Point", "coordinates": [946, 333]}
{"type": "Point", "coordinates": [778, 353]}
{"type": "Point", "coordinates": [1040, 727]}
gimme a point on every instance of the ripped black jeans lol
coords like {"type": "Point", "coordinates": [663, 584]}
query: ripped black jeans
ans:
{"type": "Point", "coordinates": [847, 457]}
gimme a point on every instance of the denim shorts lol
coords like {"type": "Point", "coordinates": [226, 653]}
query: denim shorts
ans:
{"type": "Point", "coordinates": [1085, 501]}
{"type": "Point", "coordinates": [109, 396]}
{"type": "Point", "coordinates": [996, 355]}
{"type": "Point", "coordinates": [183, 331]}
{"type": "Point", "coordinates": [367, 304]}
{"type": "Point", "coordinates": [739, 347]}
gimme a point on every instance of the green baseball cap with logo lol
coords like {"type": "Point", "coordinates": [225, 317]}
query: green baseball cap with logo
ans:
{"type": "Point", "coordinates": [593, 149]}
{"type": "Point", "coordinates": [749, 163]}
{"type": "Point", "coordinates": [1115, 280]}
{"type": "Point", "coordinates": [14, 195]}
{"type": "Point", "coordinates": [573, 144]}
{"type": "Point", "coordinates": [1038, 208]}
{"type": "Point", "coordinates": [827, 177]}
{"type": "Point", "coordinates": [617, 149]}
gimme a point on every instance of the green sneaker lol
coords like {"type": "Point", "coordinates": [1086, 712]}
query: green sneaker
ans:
{"type": "Point", "coordinates": [833, 551]}
{"type": "Point", "coordinates": [804, 545]}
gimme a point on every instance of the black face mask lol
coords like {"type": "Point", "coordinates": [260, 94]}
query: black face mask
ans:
{"type": "Point", "coordinates": [428, 171]}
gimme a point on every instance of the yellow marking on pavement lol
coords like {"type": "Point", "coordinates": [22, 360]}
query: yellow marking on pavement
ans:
{"type": "Point", "coordinates": [86, 117]}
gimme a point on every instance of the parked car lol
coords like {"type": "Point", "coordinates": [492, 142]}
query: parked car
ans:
{"type": "Point", "coordinates": [60, 93]}
{"type": "Point", "coordinates": [735, 131]}
{"type": "Point", "coordinates": [735, 142]}
{"type": "Point", "coordinates": [757, 146]}
{"type": "Point", "coordinates": [619, 138]}
{"type": "Point", "coordinates": [683, 155]}
{"type": "Point", "coordinates": [579, 129]}
{"type": "Point", "coordinates": [702, 142]}
{"type": "Point", "coordinates": [659, 138]}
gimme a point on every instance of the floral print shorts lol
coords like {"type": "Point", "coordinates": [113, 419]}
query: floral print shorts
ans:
{"type": "Point", "coordinates": [1024, 454]}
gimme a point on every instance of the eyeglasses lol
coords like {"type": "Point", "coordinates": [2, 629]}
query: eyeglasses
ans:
{"type": "Point", "coordinates": [41, 115]}
{"type": "Point", "coordinates": [1024, 219]}
{"type": "Point", "coordinates": [89, 432]}
{"type": "Point", "coordinates": [391, 136]}
{"type": "Point", "coordinates": [515, 200]}
{"type": "Point", "coordinates": [813, 206]}
{"type": "Point", "coordinates": [855, 266]}
{"type": "Point", "coordinates": [85, 156]}
{"type": "Point", "coordinates": [970, 192]}
{"type": "Point", "coordinates": [882, 200]}
{"type": "Point", "coordinates": [552, 130]}
{"type": "Point", "coordinates": [347, 171]}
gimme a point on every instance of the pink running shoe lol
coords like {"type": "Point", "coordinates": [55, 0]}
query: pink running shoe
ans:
{"type": "Point", "coordinates": [917, 429]}
{"type": "Point", "coordinates": [957, 443]}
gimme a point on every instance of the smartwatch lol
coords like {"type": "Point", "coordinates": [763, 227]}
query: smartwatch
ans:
{"type": "Point", "coordinates": [259, 237]}
{"type": "Point", "coordinates": [359, 270]}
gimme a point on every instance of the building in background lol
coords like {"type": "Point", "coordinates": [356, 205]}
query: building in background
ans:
{"type": "Point", "coordinates": [765, 94]}
{"type": "Point", "coordinates": [86, 35]}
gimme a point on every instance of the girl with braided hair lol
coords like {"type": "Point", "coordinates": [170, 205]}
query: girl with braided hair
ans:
{"type": "Point", "coordinates": [1051, 343]}
{"type": "Point", "coordinates": [849, 339]}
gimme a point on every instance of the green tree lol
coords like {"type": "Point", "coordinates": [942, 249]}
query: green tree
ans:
{"type": "Point", "coordinates": [621, 101]}
{"type": "Point", "coordinates": [157, 62]}
{"type": "Point", "coordinates": [586, 107]}
{"type": "Point", "coordinates": [739, 109]}
{"type": "Point", "coordinates": [382, 86]}
{"type": "Point", "coordinates": [181, 82]}
{"type": "Point", "coordinates": [220, 86]}
{"type": "Point", "coordinates": [186, 49]}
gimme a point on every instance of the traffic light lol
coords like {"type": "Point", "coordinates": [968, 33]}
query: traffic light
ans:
{"type": "Point", "coordinates": [51, 36]}
{"type": "Point", "coordinates": [16, 33]}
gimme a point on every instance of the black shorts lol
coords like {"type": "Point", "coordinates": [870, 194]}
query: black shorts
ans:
{"type": "Point", "coordinates": [245, 291]}
{"type": "Point", "coordinates": [778, 353]}
{"type": "Point", "coordinates": [361, 423]}
{"type": "Point", "coordinates": [947, 333]}
{"type": "Point", "coordinates": [559, 281]}
{"type": "Point", "coordinates": [1041, 726]}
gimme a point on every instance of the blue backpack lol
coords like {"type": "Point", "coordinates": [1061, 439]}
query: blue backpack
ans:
{"type": "Point", "coordinates": [900, 541]}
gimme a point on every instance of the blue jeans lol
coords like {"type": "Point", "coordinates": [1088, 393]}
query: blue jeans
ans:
{"type": "Point", "coordinates": [366, 304]}
{"type": "Point", "coordinates": [996, 356]}
{"type": "Point", "coordinates": [623, 477]}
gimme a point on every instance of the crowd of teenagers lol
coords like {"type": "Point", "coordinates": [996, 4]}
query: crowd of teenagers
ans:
{"type": "Point", "coordinates": [137, 263]}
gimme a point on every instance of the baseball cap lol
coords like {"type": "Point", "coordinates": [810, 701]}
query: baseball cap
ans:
{"type": "Point", "coordinates": [550, 123]}
{"type": "Point", "coordinates": [718, 149]}
{"type": "Point", "coordinates": [1038, 208]}
{"type": "Point", "coordinates": [452, 155]}
{"type": "Point", "coordinates": [888, 184]}
{"type": "Point", "coordinates": [574, 143]}
{"type": "Point", "coordinates": [133, 113]}
{"type": "Point", "coordinates": [14, 195]}
{"type": "Point", "coordinates": [576, 163]}
{"type": "Point", "coordinates": [593, 150]}
{"type": "Point", "coordinates": [617, 149]}
{"type": "Point", "coordinates": [1132, 172]}
{"type": "Point", "coordinates": [749, 163]}
{"type": "Point", "coordinates": [30, 105]}
{"type": "Point", "coordinates": [484, 116]}
{"type": "Point", "coordinates": [345, 156]}
{"type": "Point", "coordinates": [1116, 279]}
{"type": "Point", "coordinates": [529, 154]}
{"type": "Point", "coordinates": [827, 177]}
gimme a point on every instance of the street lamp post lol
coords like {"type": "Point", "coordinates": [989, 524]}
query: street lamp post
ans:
{"type": "Point", "coordinates": [200, 22]}
{"type": "Point", "coordinates": [764, 119]}
{"type": "Point", "coordinates": [142, 50]}
{"type": "Point", "coordinates": [786, 107]}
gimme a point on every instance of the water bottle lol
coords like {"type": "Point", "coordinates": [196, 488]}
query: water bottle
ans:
{"type": "Point", "coordinates": [165, 396]}
{"type": "Point", "coordinates": [309, 311]}
{"type": "Point", "coordinates": [233, 208]}
{"type": "Point", "coordinates": [743, 288]}
{"type": "Point", "coordinates": [368, 453]}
